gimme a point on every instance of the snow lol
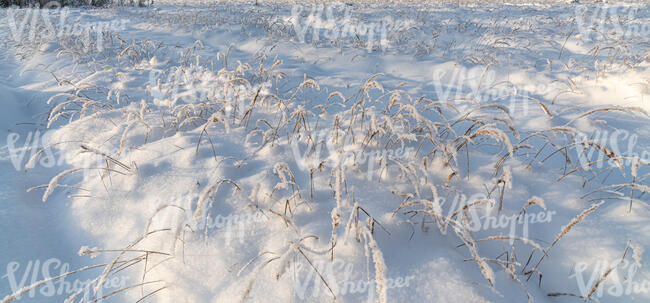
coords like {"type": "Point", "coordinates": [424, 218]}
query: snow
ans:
{"type": "Point", "coordinates": [234, 152]}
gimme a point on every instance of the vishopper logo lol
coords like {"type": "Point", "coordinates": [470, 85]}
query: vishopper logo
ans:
{"type": "Point", "coordinates": [621, 279]}
{"type": "Point", "coordinates": [334, 22]}
{"type": "Point", "coordinates": [195, 84]}
{"type": "Point", "coordinates": [34, 271]}
{"type": "Point", "coordinates": [485, 216]}
{"type": "Point", "coordinates": [38, 150]}
{"type": "Point", "coordinates": [338, 275]}
{"type": "Point", "coordinates": [603, 21]}
{"type": "Point", "coordinates": [53, 21]}
{"type": "Point", "coordinates": [467, 86]}
{"type": "Point", "coordinates": [190, 85]}
{"type": "Point", "coordinates": [179, 214]}
{"type": "Point", "coordinates": [34, 141]}
{"type": "Point", "coordinates": [602, 148]}
{"type": "Point", "coordinates": [341, 151]}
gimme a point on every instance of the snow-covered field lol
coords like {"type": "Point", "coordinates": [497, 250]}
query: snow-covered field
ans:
{"type": "Point", "coordinates": [325, 152]}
